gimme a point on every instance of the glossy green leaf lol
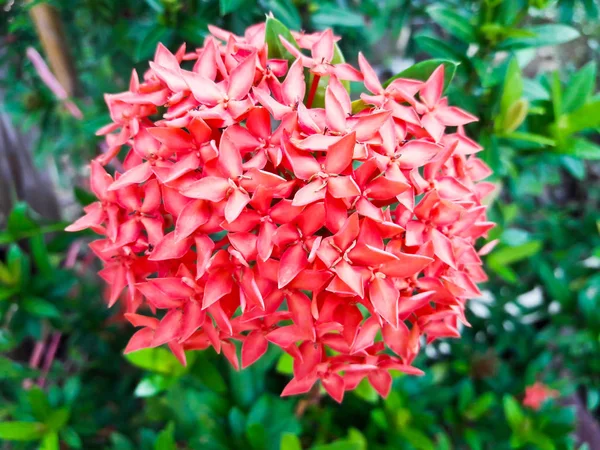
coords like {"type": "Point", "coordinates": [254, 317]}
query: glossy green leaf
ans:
{"type": "Point", "coordinates": [418, 439]}
{"type": "Point", "coordinates": [454, 23]}
{"type": "Point", "coordinates": [290, 442]}
{"type": "Point", "coordinates": [157, 360]}
{"type": "Point", "coordinates": [40, 307]}
{"type": "Point", "coordinates": [166, 439]}
{"type": "Point", "coordinates": [510, 255]}
{"type": "Point", "coordinates": [358, 106]}
{"type": "Point", "coordinates": [50, 442]}
{"type": "Point", "coordinates": [544, 35]}
{"type": "Point", "coordinates": [512, 411]}
{"type": "Point", "coordinates": [530, 137]}
{"type": "Point", "coordinates": [13, 370]}
{"type": "Point", "coordinates": [438, 48]}
{"type": "Point", "coordinates": [579, 88]}
{"type": "Point", "coordinates": [20, 221]}
{"type": "Point", "coordinates": [340, 444]}
{"type": "Point", "coordinates": [156, 5]}
{"type": "Point", "coordinates": [228, 6]}
{"type": "Point", "coordinates": [588, 116]}
{"type": "Point", "coordinates": [285, 364]}
{"type": "Point", "coordinates": [22, 431]}
{"type": "Point", "coordinates": [208, 374]}
{"type": "Point", "coordinates": [38, 401]}
{"type": "Point", "coordinates": [153, 384]}
{"type": "Point", "coordinates": [480, 406]}
{"type": "Point", "coordinates": [582, 148]}
{"type": "Point", "coordinates": [40, 255]}
{"type": "Point", "coordinates": [71, 438]}
{"type": "Point", "coordinates": [58, 418]}
{"type": "Point", "coordinates": [330, 15]}
{"type": "Point", "coordinates": [423, 70]}
{"type": "Point", "coordinates": [512, 90]}
{"type": "Point", "coordinates": [273, 29]}
{"type": "Point", "coordinates": [540, 440]}
{"type": "Point", "coordinates": [285, 11]}
{"type": "Point", "coordinates": [367, 392]}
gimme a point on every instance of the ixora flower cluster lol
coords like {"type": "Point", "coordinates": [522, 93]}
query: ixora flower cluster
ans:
{"type": "Point", "coordinates": [255, 203]}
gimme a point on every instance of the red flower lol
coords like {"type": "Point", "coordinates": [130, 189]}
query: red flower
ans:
{"type": "Point", "coordinates": [244, 214]}
{"type": "Point", "coordinates": [537, 394]}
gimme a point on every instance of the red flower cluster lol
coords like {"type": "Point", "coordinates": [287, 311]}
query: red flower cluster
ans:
{"type": "Point", "coordinates": [244, 213]}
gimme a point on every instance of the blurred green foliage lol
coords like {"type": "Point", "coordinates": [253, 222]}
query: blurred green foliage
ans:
{"type": "Point", "coordinates": [528, 69]}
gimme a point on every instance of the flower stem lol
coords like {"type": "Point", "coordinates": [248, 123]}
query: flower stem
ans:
{"type": "Point", "coordinates": [313, 90]}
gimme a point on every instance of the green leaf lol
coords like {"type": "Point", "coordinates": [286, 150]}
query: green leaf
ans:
{"type": "Point", "coordinates": [509, 255]}
{"type": "Point", "coordinates": [423, 70]}
{"type": "Point", "coordinates": [530, 137]}
{"type": "Point", "coordinates": [579, 88]}
{"type": "Point", "coordinates": [208, 374]}
{"type": "Point", "coordinates": [273, 29]}
{"type": "Point", "coordinates": [285, 11]}
{"type": "Point", "coordinates": [50, 442]}
{"type": "Point", "coordinates": [438, 48]}
{"type": "Point", "coordinates": [71, 389]}
{"type": "Point", "coordinates": [588, 116]}
{"type": "Point", "coordinates": [512, 411]}
{"type": "Point", "coordinates": [340, 444]}
{"type": "Point", "coordinates": [556, 95]}
{"type": "Point", "coordinates": [418, 439]}
{"type": "Point", "coordinates": [367, 392]}
{"type": "Point", "coordinates": [255, 432]}
{"type": "Point", "coordinates": [290, 441]}
{"type": "Point", "coordinates": [40, 307]}
{"type": "Point", "coordinates": [120, 442]}
{"type": "Point", "coordinates": [513, 87]}
{"type": "Point", "coordinates": [40, 255]}
{"type": "Point", "coordinates": [540, 440]}
{"type": "Point", "coordinates": [17, 264]}
{"type": "Point", "coordinates": [285, 364]}
{"type": "Point", "coordinates": [19, 220]}
{"type": "Point", "coordinates": [358, 106]}
{"type": "Point", "coordinates": [452, 22]}
{"type": "Point", "coordinates": [480, 406]}
{"type": "Point", "coordinates": [158, 360]}
{"type": "Point", "coordinates": [575, 166]}
{"type": "Point", "coordinates": [71, 438]}
{"type": "Point", "coordinates": [227, 6]}
{"type": "Point", "coordinates": [58, 419]}
{"type": "Point", "coordinates": [40, 407]}
{"type": "Point", "coordinates": [166, 438]}
{"type": "Point", "coordinates": [11, 369]}
{"type": "Point", "coordinates": [153, 384]}
{"type": "Point", "coordinates": [156, 5]}
{"type": "Point", "coordinates": [544, 35]}
{"type": "Point", "coordinates": [22, 431]}
{"type": "Point", "coordinates": [147, 44]}
{"type": "Point", "coordinates": [237, 421]}
{"type": "Point", "coordinates": [329, 15]}
{"type": "Point", "coordinates": [533, 90]}
{"type": "Point", "coordinates": [582, 148]}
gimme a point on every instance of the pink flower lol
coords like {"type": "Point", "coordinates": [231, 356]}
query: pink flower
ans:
{"type": "Point", "coordinates": [537, 394]}
{"type": "Point", "coordinates": [243, 214]}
